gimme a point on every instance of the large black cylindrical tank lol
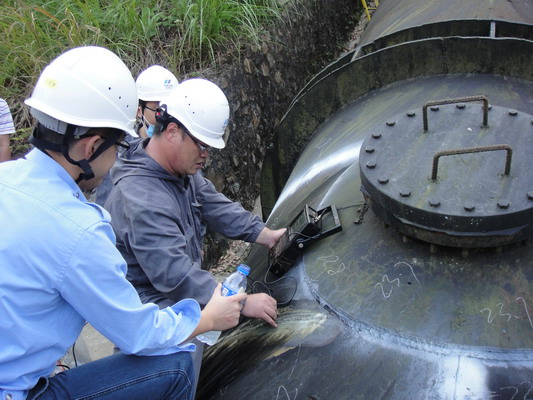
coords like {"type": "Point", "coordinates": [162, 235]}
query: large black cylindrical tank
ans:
{"type": "Point", "coordinates": [422, 141]}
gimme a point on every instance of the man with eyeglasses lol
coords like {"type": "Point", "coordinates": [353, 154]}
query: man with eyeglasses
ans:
{"type": "Point", "coordinates": [59, 264]}
{"type": "Point", "coordinates": [153, 83]}
{"type": "Point", "coordinates": [161, 205]}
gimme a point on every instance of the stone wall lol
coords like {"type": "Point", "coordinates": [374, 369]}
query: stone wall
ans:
{"type": "Point", "coordinates": [260, 87]}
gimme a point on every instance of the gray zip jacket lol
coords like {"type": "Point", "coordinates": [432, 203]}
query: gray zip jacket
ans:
{"type": "Point", "coordinates": [160, 221]}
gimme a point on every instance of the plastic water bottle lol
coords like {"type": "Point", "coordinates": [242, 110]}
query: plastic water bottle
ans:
{"type": "Point", "coordinates": [233, 284]}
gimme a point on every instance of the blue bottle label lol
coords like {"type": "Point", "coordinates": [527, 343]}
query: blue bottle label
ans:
{"type": "Point", "coordinates": [226, 291]}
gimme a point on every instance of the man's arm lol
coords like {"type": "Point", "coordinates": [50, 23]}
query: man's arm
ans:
{"type": "Point", "coordinates": [223, 215]}
{"type": "Point", "coordinates": [5, 152]}
{"type": "Point", "coordinates": [157, 241]}
{"type": "Point", "coordinates": [268, 237]}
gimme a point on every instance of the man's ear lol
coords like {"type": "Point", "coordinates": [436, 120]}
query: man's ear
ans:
{"type": "Point", "coordinates": [172, 131]}
{"type": "Point", "coordinates": [88, 146]}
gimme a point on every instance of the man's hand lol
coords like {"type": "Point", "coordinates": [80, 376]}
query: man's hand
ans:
{"type": "Point", "coordinates": [261, 305]}
{"type": "Point", "coordinates": [268, 237]}
{"type": "Point", "coordinates": [221, 312]}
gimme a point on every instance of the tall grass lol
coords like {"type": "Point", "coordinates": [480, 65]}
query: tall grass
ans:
{"type": "Point", "coordinates": [183, 35]}
{"type": "Point", "coordinates": [206, 27]}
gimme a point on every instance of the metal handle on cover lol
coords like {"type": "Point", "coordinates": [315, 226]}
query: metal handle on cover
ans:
{"type": "Point", "coordinates": [457, 100]}
{"type": "Point", "coordinates": [440, 154]}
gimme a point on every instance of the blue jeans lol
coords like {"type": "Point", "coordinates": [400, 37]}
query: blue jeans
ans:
{"type": "Point", "coordinates": [120, 377]}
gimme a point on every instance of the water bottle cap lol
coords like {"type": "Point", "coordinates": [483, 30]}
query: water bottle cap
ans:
{"type": "Point", "coordinates": [245, 269]}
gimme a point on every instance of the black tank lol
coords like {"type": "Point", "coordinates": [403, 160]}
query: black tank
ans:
{"type": "Point", "coordinates": [421, 141]}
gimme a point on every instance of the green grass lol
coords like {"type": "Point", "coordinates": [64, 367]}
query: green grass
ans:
{"type": "Point", "coordinates": [183, 35]}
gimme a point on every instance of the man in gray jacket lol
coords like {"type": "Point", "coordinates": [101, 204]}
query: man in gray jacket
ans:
{"type": "Point", "coordinates": [161, 206]}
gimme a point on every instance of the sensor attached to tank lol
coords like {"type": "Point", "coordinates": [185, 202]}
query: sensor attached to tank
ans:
{"type": "Point", "coordinates": [308, 226]}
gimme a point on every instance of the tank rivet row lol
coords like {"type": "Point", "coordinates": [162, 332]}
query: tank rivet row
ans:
{"type": "Point", "coordinates": [461, 106]}
{"type": "Point", "coordinates": [383, 181]}
{"type": "Point", "coordinates": [503, 204]}
{"type": "Point", "coordinates": [434, 203]}
{"type": "Point", "coordinates": [530, 195]}
{"type": "Point", "coordinates": [391, 123]}
{"type": "Point", "coordinates": [405, 193]}
{"type": "Point", "coordinates": [369, 149]}
{"type": "Point", "coordinates": [469, 207]}
{"type": "Point", "coordinates": [434, 108]}
{"type": "Point", "coordinates": [513, 113]}
{"type": "Point", "coordinates": [411, 114]}
{"type": "Point", "coordinates": [371, 165]}
{"type": "Point", "coordinates": [376, 135]}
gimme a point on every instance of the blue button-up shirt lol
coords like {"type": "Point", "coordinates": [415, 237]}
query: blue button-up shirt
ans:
{"type": "Point", "coordinates": [59, 268]}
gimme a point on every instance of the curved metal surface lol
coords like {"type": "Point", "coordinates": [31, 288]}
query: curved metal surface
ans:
{"type": "Point", "coordinates": [444, 56]}
{"type": "Point", "coordinates": [475, 198]}
{"type": "Point", "coordinates": [393, 16]}
{"type": "Point", "coordinates": [414, 318]}
{"type": "Point", "coordinates": [378, 315]}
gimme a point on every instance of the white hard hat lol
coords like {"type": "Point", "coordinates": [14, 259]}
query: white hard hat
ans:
{"type": "Point", "coordinates": [86, 86]}
{"type": "Point", "coordinates": [202, 108]}
{"type": "Point", "coordinates": [155, 82]}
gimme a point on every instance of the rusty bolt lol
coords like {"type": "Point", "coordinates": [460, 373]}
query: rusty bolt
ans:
{"type": "Point", "coordinates": [469, 207]}
{"type": "Point", "coordinates": [503, 204]}
{"type": "Point", "coordinates": [434, 203]}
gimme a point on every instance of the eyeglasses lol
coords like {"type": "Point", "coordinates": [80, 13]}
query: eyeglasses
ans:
{"type": "Point", "coordinates": [201, 146]}
{"type": "Point", "coordinates": [123, 143]}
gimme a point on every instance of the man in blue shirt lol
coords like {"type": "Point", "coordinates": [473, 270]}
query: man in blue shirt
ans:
{"type": "Point", "coordinates": [58, 262]}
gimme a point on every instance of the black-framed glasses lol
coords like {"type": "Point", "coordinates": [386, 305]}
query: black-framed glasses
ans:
{"type": "Point", "coordinates": [200, 145]}
{"type": "Point", "coordinates": [151, 109]}
{"type": "Point", "coordinates": [123, 143]}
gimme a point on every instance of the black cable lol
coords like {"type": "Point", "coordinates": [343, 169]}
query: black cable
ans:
{"type": "Point", "coordinates": [74, 355]}
{"type": "Point", "coordinates": [270, 288]}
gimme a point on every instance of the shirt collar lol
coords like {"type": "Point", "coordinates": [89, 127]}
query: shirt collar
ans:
{"type": "Point", "coordinates": [40, 158]}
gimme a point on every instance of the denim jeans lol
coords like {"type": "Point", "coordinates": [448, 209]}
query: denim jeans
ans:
{"type": "Point", "coordinates": [120, 377]}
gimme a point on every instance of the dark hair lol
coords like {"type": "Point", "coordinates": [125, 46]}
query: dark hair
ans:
{"type": "Point", "coordinates": [163, 119]}
{"type": "Point", "coordinates": [45, 134]}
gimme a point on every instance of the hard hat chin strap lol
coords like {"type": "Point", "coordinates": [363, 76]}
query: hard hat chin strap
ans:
{"type": "Point", "coordinates": [63, 148]}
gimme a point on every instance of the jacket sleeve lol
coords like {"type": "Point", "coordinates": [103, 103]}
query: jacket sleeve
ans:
{"type": "Point", "coordinates": [225, 216]}
{"type": "Point", "coordinates": [150, 230]}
